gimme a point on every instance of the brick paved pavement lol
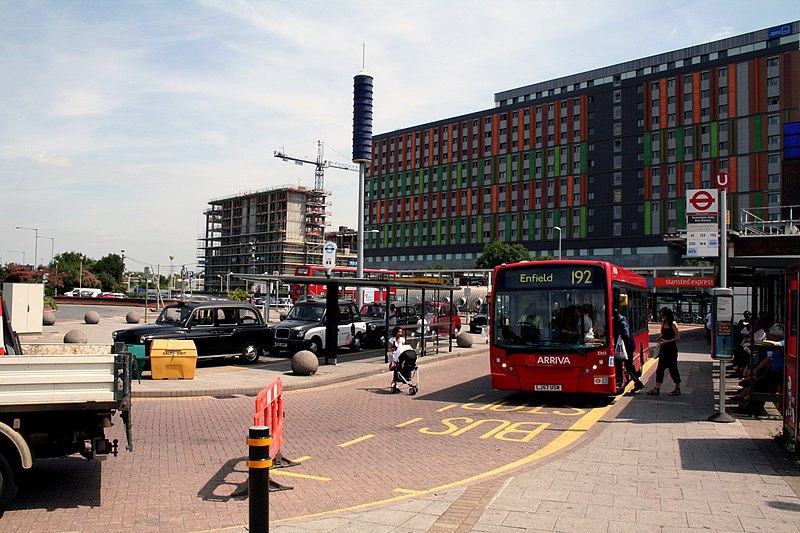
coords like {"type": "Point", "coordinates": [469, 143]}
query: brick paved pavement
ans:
{"type": "Point", "coordinates": [652, 464]}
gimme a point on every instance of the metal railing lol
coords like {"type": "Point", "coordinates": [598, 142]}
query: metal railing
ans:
{"type": "Point", "coordinates": [773, 220]}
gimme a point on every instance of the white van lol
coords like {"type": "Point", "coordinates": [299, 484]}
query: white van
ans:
{"type": "Point", "coordinates": [84, 293]}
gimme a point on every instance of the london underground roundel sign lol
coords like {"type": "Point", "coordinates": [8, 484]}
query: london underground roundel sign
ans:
{"type": "Point", "coordinates": [701, 200]}
{"type": "Point", "coordinates": [723, 180]}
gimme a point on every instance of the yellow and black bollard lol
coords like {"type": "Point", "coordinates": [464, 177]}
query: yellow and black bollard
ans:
{"type": "Point", "coordinates": [258, 463]}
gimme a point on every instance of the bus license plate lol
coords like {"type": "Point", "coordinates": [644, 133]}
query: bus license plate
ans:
{"type": "Point", "coordinates": [281, 345]}
{"type": "Point", "coordinates": [545, 388]}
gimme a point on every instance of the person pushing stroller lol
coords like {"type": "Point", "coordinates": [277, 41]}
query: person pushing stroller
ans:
{"type": "Point", "coordinates": [403, 363]}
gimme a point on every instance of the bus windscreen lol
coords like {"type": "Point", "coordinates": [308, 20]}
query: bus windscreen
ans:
{"type": "Point", "coordinates": [551, 306]}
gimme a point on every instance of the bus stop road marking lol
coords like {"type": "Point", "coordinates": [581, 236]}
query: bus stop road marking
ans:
{"type": "Point", "coordinates": [569, 436]}
{"type": "Point", "coordinates": [409, 422]}
{"type": "Point", "coordinates": [355, 441]}
{"type": "Point", "coordinates": [279, 472]}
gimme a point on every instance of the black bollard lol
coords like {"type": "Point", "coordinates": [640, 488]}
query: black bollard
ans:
{"type": "Point", "coordinates": [258, 463]}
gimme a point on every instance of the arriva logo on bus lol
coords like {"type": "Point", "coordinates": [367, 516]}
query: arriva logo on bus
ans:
{"type": "Point", "coordinates": [552, 360]}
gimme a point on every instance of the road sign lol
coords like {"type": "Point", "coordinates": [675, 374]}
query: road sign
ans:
{"type": "Point", "coordinates": [329, 255]}
{"type": "Point", "coordinates": [723, 180]}
{"type": "Point", "coordinates": [702, 223]}
{"type": "Point", "coordinates": [191, 274]}
{"type": "Point", "coordinates": [702, 201]}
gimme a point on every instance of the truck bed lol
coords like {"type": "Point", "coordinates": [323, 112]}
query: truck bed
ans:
{"type": "Point", "coordinates": [58, 381]}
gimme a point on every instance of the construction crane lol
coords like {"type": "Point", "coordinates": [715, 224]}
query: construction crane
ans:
{"type": "Point", "coordinates": [319, 165]}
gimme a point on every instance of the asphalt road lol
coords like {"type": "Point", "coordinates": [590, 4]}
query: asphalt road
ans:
{"type": "Point", "coordinates": [355, 443]}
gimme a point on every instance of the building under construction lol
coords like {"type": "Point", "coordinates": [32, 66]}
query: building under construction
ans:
{"type": "Point", "coordinates": [265, 231]}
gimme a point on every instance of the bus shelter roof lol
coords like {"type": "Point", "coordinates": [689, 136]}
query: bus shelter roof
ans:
{"type": "Point", "coordinates": [350, 282]}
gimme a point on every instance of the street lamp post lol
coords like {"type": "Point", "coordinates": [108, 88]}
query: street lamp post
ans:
{"type": "Point", "coordinates": [171, 281]}
{"type": "Point", "coordinates": [35, 242]}
{"type": "Point", "coordinates": [220, 282]}
{"type": "Point", "coordinates": [19, 252]}
{"type": "Point", "coordinates": [52, 246]}
{"type": "Point", "coordinates": [228, 281]}
{"type": "Point", "coordinates": [80, 276]}
{"type": "Point", "coordinates": [558, 229]}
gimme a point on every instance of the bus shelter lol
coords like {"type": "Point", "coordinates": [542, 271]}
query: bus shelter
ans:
{"type": "Point", "coordinates": [406, 292]}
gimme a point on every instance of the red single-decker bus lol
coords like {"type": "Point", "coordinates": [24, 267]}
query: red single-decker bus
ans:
{"type": "Point", "coordinates": [318, 291]}
{"type": "Point", "coordinates": [551, 325]}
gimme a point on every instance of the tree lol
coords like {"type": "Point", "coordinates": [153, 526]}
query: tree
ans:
{"type": "Point", "coordinates": [19, 274]}
{"type": "Point", "coordinates": [109, 270]}
{"type": "Point", "coordinates": [496, 253]}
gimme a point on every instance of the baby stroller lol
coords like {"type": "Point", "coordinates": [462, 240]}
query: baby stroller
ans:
{"type": "Point", "coordinates": [405, 370]}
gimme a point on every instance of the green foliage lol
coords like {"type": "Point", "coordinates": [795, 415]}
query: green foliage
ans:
{"type": "Point", "coordinates": [50, 301]}
{"type": "Point", "coordinates": [496, 253]}
{"type": "Point", "coordinates": [239, 295]}
{"type": "Point", "coordinates": [696, 262]}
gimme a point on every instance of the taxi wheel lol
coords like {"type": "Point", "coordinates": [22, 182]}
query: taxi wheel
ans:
{"type": "Point", "coordinates": [250, 354]}
{"type": "Point", "coordinates": [356, 344]}
{"type": "Point", "coordinates": [315, 346]}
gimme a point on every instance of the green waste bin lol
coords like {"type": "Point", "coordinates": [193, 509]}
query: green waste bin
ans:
{"type": "Point", "coordinates": [140, 352]}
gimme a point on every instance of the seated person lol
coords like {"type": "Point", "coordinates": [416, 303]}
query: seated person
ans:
{"type": "Point", "coordinates": [529, 324]}
{"type": "Point", "coordinates": [579, 326]}
{"type": "Point", "coordinates": [768, 374]}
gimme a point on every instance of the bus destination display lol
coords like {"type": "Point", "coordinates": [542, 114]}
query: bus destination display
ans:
{"type": "Point", "coordinates": [552, 277]}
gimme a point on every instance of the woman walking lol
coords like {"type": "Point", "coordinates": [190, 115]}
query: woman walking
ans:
{"type": "Point", "coordinates": [668, 353]}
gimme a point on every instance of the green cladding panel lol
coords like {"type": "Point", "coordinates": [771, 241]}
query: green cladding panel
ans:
{"type": "Point", "coordinates": [583, 157]}
{"type": "Point", "coordinates": [757, 131]}
{"type": "Point", "coordinates": [714, 139]}
{"type": "Point", "coordinates": [647, 151]}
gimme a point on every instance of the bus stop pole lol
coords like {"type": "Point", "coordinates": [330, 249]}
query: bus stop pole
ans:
{"type": "Point", "coordinates": [721, 415]}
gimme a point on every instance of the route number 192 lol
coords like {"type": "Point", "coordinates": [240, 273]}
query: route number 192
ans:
{"type": "Point", "coordinates": [581, 277]}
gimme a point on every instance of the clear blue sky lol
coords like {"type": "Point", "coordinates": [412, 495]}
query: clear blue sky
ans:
{"type": "Point", "coordinates": [119, 120]}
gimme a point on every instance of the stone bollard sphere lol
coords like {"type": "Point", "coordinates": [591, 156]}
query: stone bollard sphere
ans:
{"type": "Point", "coordinates": [48, 318]}
{"type": "Point", "coordinates": [75, 336]}
{"type": "Point", "coordinates": [92, 317]}
{"type": "Point", "coordinates": [464, 340]}
{"type": "Point", "coordinates": [304, 363]}
{"type": "Point", "coordinates": [133, 317]}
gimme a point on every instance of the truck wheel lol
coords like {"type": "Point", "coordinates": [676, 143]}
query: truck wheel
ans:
{"type": "Point", "coordinates": [250, 354]}
{"type": "Point", "coordinates": [8, 484]}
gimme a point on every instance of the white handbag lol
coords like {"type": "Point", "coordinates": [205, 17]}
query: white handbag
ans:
{"type": "Point", "coordinates": [620, 352]}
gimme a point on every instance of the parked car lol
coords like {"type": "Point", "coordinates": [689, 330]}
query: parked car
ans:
{"type": "Point", "coordinates": [117, 295]}
{"type": "Point", "coordinates": [219, 328]}
{"type": "Point", "coordinates": [481, 319]}
{"type": "Point", "coordinates": [442, 317]}
{"type": "Point", "coordinates": [304, 328]}
{"type": "Point", "coordinates": [375, 318]}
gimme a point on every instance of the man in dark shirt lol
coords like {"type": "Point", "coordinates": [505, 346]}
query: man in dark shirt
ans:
{"type": "Point", "coordinates": [621, 329]}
